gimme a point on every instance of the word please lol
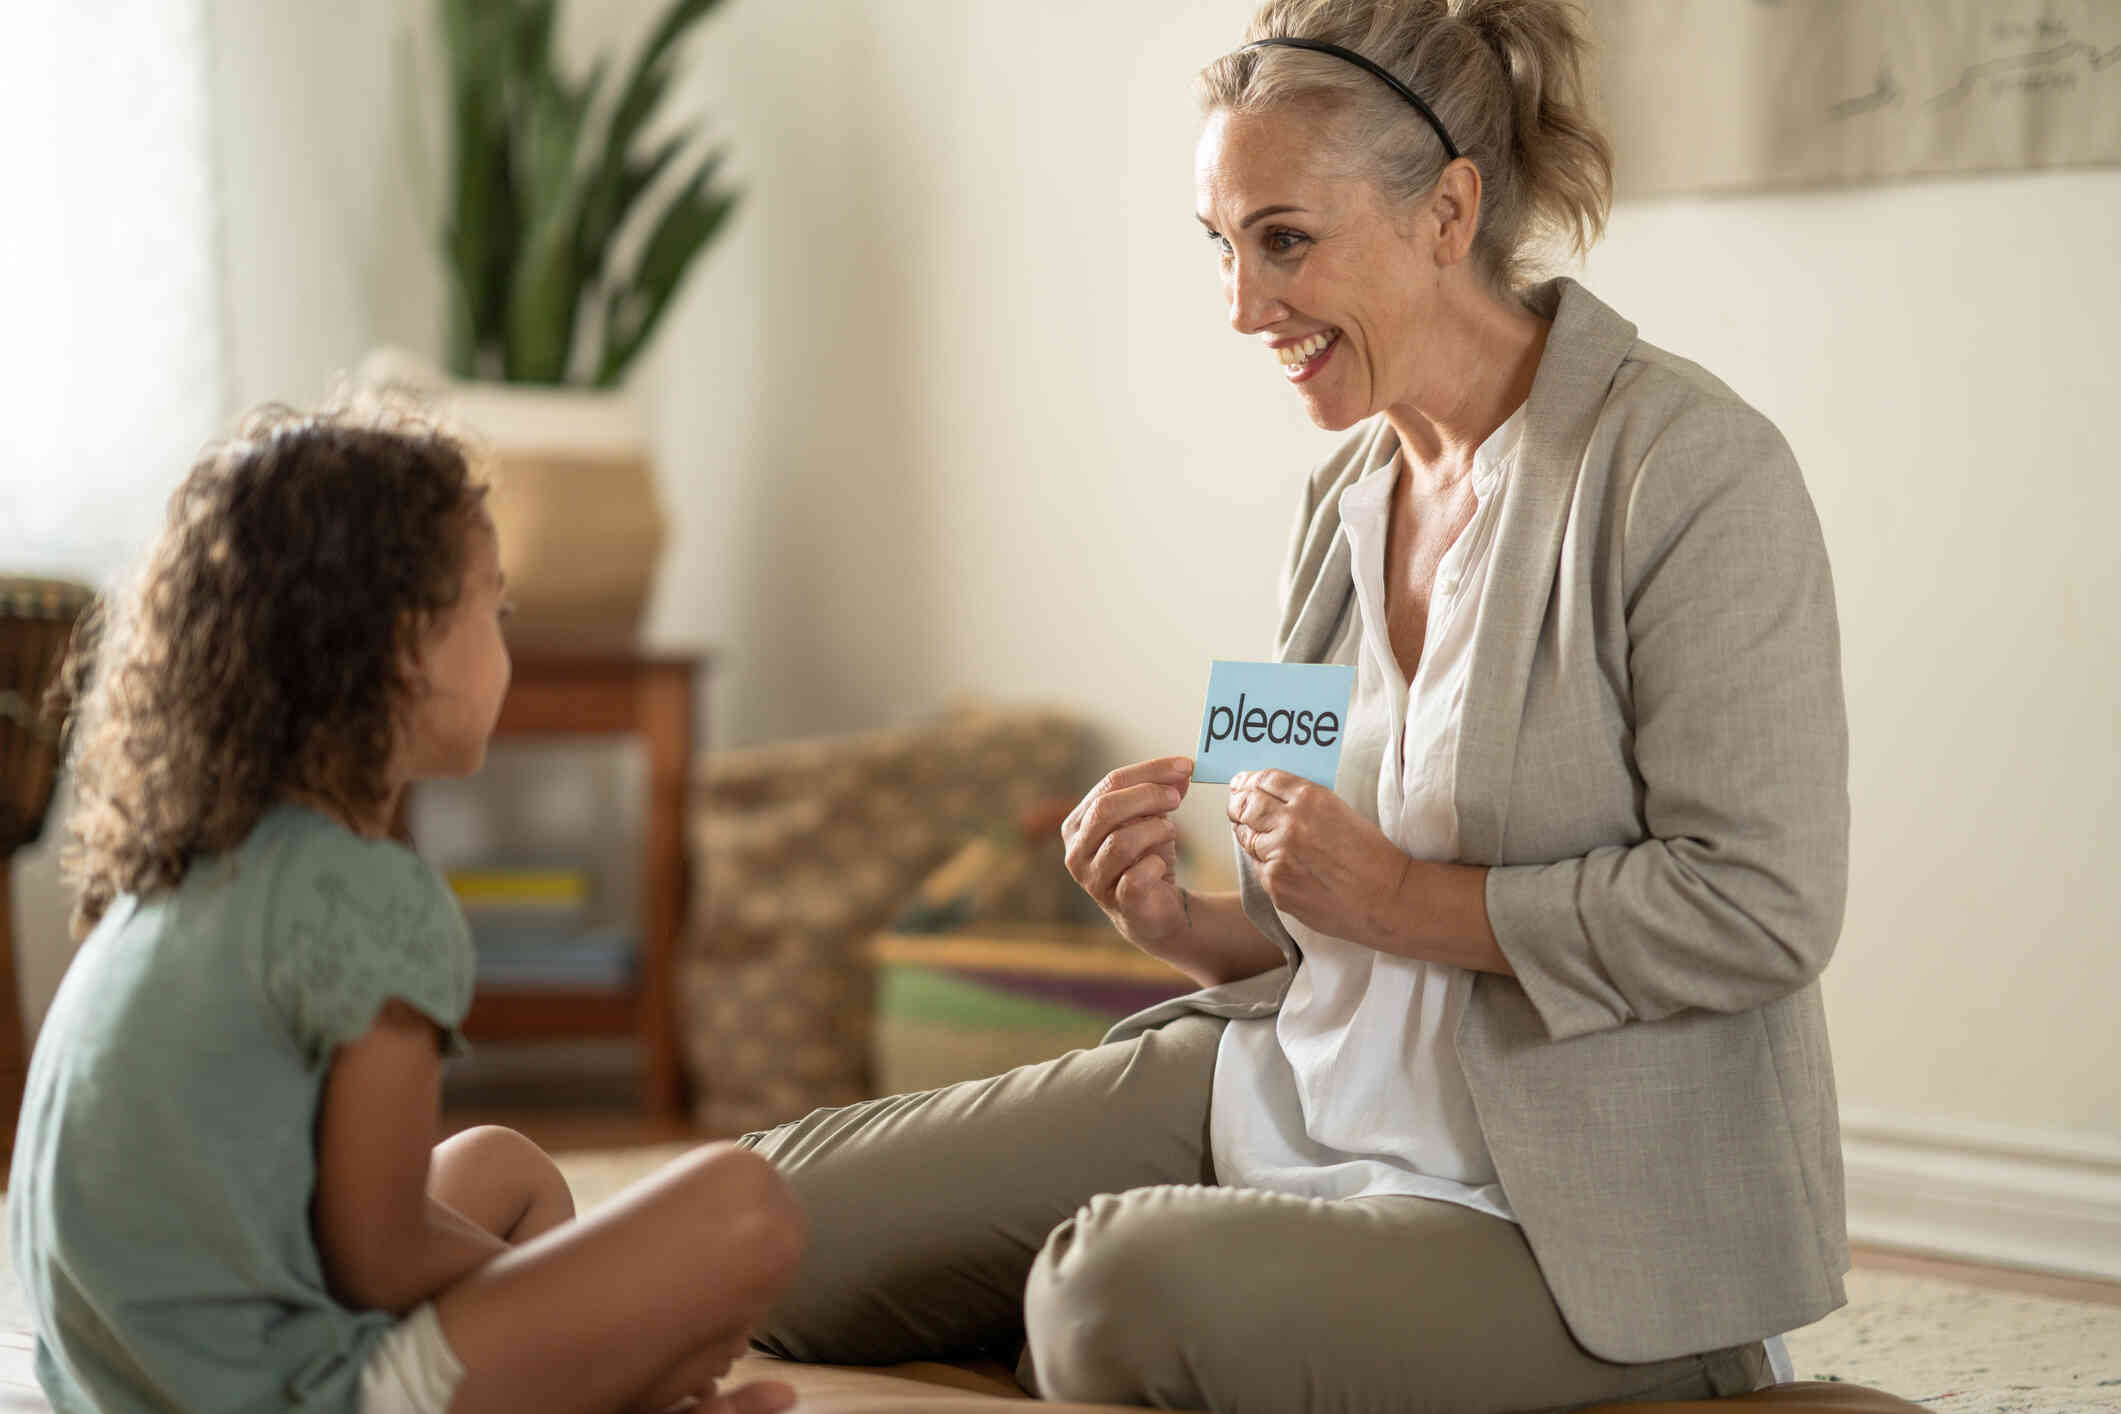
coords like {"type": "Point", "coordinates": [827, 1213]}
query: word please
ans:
{"type": "Point", "coordinates": [1280, 726]}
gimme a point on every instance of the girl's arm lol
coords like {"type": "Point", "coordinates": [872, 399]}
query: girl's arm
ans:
{"type": "Point", "coordinates": [385, 1243]}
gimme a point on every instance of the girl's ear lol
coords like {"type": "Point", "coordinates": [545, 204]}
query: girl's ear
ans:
{"type": "Point", "coordinates": [413, 635]}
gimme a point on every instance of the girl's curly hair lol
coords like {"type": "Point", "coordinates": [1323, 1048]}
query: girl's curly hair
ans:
{"type": "Point", "coordinates": [264, 647]}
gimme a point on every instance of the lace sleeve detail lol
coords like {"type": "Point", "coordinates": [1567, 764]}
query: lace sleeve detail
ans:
{"type": "Point", "coordinates": [356, 924]}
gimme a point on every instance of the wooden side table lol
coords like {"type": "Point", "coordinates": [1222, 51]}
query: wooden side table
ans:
{"type": "Point", "coordinates": [14, 1044]}
{"type": "Point", "coordinates": [37, 618]}
{"type": "Point", "coordinates": [650, 698]}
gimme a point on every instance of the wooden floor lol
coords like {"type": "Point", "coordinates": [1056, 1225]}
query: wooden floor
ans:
{"type": "Point", "coordinates": [562, 1130]}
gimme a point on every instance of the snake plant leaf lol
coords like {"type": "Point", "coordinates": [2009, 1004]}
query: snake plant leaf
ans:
{"type": "Point", "coordinates": [479, 239]}
{"type": "Point", "coordinates": [691, 220]}
{"type": "Point", "coordinates": [540, 199]}
{"type": "Point", "coordinates": [547, 287]}
{"type": "Point", "coordinates": [646, 82]}
{"type": "Point", "coordinates": [530, 35]}
{"type": "Point", "coordinates": [611, 199]}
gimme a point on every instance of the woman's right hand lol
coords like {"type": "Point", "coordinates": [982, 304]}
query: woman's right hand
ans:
{"type": "Point", "coordinates": [1122, 847]}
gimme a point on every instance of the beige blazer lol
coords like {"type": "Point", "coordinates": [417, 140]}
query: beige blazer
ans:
{"type": "Point", "coordinates": [1655, 764]}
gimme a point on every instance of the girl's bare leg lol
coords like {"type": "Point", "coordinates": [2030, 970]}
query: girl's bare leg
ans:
{"type": "Point", "coordinates": [600, 1313]}
{"type": "Point", "coordinates": [501, 1181]}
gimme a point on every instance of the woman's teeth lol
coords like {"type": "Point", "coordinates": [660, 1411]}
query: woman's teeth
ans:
{"type": "Point", "coordinates": [1294, 357]}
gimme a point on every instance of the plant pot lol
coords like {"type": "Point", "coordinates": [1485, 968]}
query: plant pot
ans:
{"type": "Point", "coordinates": [574, 501]}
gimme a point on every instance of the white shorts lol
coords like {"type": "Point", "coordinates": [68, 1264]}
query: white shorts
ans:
{"type": "Point", "coordinates": [412, 1370]}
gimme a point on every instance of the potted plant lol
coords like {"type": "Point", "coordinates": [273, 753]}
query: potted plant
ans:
{"type": "Point", "coordinates": [568, 234]}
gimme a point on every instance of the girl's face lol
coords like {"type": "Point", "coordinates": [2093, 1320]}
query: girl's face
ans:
{"type": "Point", "coordinates": [463, 670]}
{"type": "Point", "coordinates": [1314, 267]}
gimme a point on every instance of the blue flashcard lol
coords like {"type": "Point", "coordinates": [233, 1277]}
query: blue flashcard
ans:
{"type": "Point", "coordinates": [1287, 716]}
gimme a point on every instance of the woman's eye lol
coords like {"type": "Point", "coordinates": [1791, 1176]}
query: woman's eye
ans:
{"type": "Point", "coordinates": [1215, 238]}
{"type": "Point", "coordinates": [1285, 242]}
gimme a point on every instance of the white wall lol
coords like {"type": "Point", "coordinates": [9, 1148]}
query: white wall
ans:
{"type": "Point", "coordinates": [997, 438]}
{"type": "Point", "coordinates": [954, 410]}
{"type": "Point", "coordinates": [325, 191]}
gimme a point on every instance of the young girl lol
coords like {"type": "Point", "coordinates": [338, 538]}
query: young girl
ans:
{"type": "Point", "coordinates": [226, 1194]}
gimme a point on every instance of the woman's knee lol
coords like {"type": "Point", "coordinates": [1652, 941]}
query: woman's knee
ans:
{"type": "Point", "coordinates": [1112, 1294]}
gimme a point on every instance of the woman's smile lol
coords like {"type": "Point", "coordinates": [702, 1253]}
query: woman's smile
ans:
{"type": "Point", "coordinates": [1302, 359]}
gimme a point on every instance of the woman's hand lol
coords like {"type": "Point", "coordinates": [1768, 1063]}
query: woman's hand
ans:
{"type": "Point", "coordinates": [1326, 866]}
{"type": "Point", "coordinates": [1122, 847]}
{"type": "Point", "coordinates": [1318, 860]}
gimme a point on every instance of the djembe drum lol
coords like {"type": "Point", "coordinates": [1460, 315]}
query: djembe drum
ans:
{"type": "Point", "coordinates": [37, 618]}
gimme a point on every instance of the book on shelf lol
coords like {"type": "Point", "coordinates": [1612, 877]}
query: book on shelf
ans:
{"type": "Point", "coordinates": [604, 958]}
{"type": "Point", "coordinates": [534, 890]}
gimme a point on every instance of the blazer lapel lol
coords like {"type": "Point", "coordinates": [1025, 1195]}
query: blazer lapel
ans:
{"type": "Point", "coordinates": [1585, 348]}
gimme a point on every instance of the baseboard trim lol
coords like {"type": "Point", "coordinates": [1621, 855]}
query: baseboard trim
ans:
{"type": "Point", "coordinates": [2038, 1200]}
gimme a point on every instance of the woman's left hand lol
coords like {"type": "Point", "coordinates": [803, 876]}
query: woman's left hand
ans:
{"type": "Point", "coordinates": [1319, 861]}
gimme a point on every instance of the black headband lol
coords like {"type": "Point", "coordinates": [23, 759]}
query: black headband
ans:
{"type": "Point", "coordinates": [1320, 46]}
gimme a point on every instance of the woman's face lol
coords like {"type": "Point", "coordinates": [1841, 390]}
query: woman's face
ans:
{"type": "Point", "coordinates": [1313, 266]}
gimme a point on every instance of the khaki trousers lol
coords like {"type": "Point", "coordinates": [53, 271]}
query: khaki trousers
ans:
{"type": "Point", "coordinates": [1068, 1212]}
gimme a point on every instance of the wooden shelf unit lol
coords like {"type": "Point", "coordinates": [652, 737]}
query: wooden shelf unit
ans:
{"type": "Point", "coordinates": [650, 698]}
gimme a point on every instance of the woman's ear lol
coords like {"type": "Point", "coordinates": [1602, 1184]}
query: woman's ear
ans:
{"type": "Point", "coordinates": [1454, 205]}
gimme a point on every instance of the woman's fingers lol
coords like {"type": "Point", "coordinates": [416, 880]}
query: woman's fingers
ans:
{"type": "Point", "coordinates": [1108, 815]}
{"type": "Point", "coordinates": [1122, 850]}
{"type": "Point", "coordinates": [1117, 829]}
{"type": "Point", "coordinates": [1122, 806]}
{"type": "Point", "coordinates": [1251, 808]}
{"type": "Point", "coordinates": [1270, 783]}
{"type": "Point", "coordinates": [1146, 897]}
{"type": "Point", "coordinates": [1257, 818]}
{"type": "Point", "coordinates": [1175, 772]}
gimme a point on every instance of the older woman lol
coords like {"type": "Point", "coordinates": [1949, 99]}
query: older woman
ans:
{"type": "Point", "coordinates": [1509, 1085]}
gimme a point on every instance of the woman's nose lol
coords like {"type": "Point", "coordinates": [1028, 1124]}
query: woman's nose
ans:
{"type": "Point", "coordinates": [1253, 306]}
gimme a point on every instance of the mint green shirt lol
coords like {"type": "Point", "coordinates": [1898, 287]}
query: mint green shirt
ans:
{"type": "Point", "coordinates": [159, 1207]}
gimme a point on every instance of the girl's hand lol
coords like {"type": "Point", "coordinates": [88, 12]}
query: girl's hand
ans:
{"type": "Point", "coordinates": [1122, 847]}
{"type": "Point", "coordinates": [1319, 861]}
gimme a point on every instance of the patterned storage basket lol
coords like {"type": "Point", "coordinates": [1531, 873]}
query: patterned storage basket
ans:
{"type": "Point", "coordinates": [807, 849]}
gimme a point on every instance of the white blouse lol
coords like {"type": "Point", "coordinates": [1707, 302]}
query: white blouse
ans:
{"type": "Point", "coordinates": [1354, 1087]}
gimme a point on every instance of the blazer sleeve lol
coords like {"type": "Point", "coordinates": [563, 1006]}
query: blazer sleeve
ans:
{"type": "Point", "coordinates": [1734, 897]}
